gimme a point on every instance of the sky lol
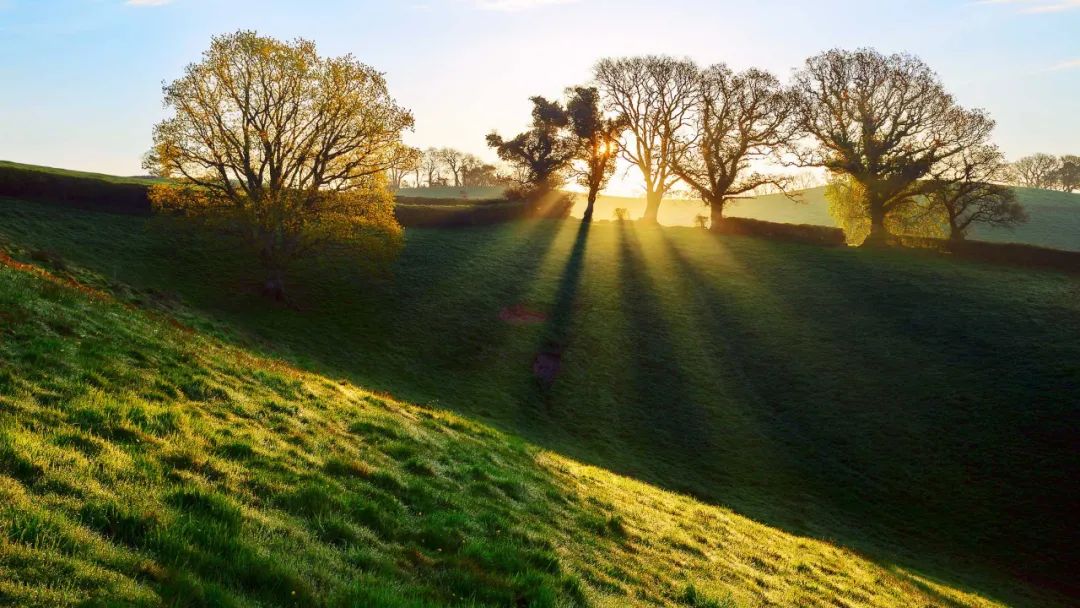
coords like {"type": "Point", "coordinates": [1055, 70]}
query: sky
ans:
{"type": "Point", "coordinates": [80, 80]}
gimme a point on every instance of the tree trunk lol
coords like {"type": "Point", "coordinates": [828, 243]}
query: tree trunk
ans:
{"type": "Point", "coordinates": [878, 234]}
{"type": "Point", "coordinates": [652, 208]}
{"type": "Point", "coordinates": [716, 213]}
{"type": "Point", "coordinates": [590, 207]}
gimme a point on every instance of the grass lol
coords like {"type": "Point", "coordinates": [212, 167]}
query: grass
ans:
{"type": "Point", "coordinates": [917, 411]}
{"type": "Point", "coordinates": [475, 193]}
{"type": "Point", "coordinates": [1054, 216]}
{"type": "Point", "coordinates": [113, 179]}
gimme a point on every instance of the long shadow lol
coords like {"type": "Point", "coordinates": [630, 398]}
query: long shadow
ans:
{"type": "Point", "coordinates": [907, 490]}
{"type": "Point", "coordinates": [429, 337]}
{"type": "Point", "coordinates": [669, 423]}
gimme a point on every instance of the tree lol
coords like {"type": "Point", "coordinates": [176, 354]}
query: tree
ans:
{"type": "Point", "coordinates": [404, 161]}
{"type": "Point", "coordinates": [1067, 177]}
{"type": "Point", "coordinates": [737, 119]}
{"type": "Point", "coordinates": [967, 189]}
{"type": "Point", "coordinates": [1036, 171]}
{"type": "Point", "coordinates": [541, 153]}
{"type": "Point", "coordinates": [430, 163]}
{"type": "Point", "coordinates": [451, 159]}
{"type": "Point", "coordinates": [468, 165]}
{"type": "Point", "coordinates": [594, 140]}
{"type": "Point", "coordinates": [884, 121]}
{"type": "Point", "coordinates": [289, 146]}
{"type": "Point", "coordinates": [655, 95]}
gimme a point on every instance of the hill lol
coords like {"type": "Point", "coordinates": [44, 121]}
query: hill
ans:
{"type": "Point", "coordinates": [913, 409]}
{"type": "Point", "coordinates": [1054, 216]}
{"type": "Point", "coordinates": [143, 463]}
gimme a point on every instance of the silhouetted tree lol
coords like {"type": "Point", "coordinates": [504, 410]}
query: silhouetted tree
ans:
{"type": "Point", "coordinates": [883, 120]}
{"type": "Point", "coordinates": [737, 119]}
{"type": "Point", "coordinates": [655, 95]}
{"type": "Point", "coordinates": [594, 140]}
{"type": "Point", "coordinates": [451, 159]}
{"type": "Point", "coordinates": [542, 153]}
{"type": "Point", "coordinates": [288, 146]}
{"type": "Point", "coordinates": [466, 167]}
{"type": "Point", "coordinates": [1036, 171]}
{"type": "Point", "coordinates": [966, 189]}
{"type": "Point", "coordinates": [1067, 177]}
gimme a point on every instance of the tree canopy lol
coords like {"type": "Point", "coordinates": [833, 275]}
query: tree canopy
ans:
{"type": "Point", "coordinates": [884, 121]}
{"type": "Point", "coordinates": [292, 146]}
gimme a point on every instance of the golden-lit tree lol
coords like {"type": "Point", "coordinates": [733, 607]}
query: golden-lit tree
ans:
{"type": "Point", "coordinates": [288, 146]}
{"type": "Point", "coordinates": [403, 161]}
{"type": "Point", "coordinates": [655, 95]}
{"type": "Point", "coordinates": [883, 121]}
{"type": "Point", "coordinates": [737, 119]}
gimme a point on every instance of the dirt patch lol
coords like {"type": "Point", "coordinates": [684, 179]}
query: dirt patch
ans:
{"type": "Point", "coordinates": [519, 314]}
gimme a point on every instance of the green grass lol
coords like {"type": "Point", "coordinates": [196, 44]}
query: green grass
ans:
{"type": "Point", "coordinates": [918, 411]}
{"type": "Point", "coordinates": [112, 179]}
{"type": "Point", "coordinates": [1054, 216]}
{"type": "Point", "coordinates": [449, 192]}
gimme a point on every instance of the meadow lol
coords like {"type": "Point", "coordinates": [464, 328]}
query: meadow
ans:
{"type": "Point", "coordinates": [914, 410]}
{"type": "Point", "coordinates": [1054, 216]}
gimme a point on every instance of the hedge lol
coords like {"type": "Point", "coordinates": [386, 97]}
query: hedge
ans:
{"type": "Point", "coordinates": [802, 233]}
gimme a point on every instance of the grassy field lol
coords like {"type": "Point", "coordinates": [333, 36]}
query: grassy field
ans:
{"type": "Point", "coordinates": [143, 463]}
{"type": "Point", "coordinates": [478, 193]}
{"type": "Point", "coordinates": [918, 411]}
{"type": "Point", "coordinates": [1054, 216]}
{"type": "Point", "coordinates": [113, 179]}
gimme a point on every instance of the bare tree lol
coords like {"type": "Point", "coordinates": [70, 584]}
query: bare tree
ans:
{"type": "Point", "coordinates": [594, 139]}
{"type": "Point", "coordinates": [967, 189]}
{"type": "Point", "coordinates": [451, 159]}
{"type": "Point", "coordinates": [655, 95]}
{"type": "Point", "coordinates": [1036, 171]}
{"type": "Point", "coordinates": [737, 119]}
{"type": "Point", "coordinates": [467, 167]}
{"type": "Point", "coordinates": [883, 120]}
{"type": "Point", "coordinates": [430, 163]}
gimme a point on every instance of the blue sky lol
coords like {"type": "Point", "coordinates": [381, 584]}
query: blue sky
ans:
{"type": "Point", "coordinates": [80, 80]}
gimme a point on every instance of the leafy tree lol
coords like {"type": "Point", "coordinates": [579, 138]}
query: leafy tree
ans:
{"type": "Point", "coordinates": [655, 95]}
{"type": "Point", "coordinates": [542, 153]}
{"type": "Point", "coordinates": [1036, 171]}
{"type": "Point", "coordinates": [737, 119]}
{"type": "Point", "coordinates": [1067, 177]}
{"type": "Point", "coordinates": [846, 198]}
{"type": "Point", "coordinates": [884, 121]}
{"type": "Point", "coordinates": [968, 189]}
{"type": "Point", "coordinates": [290, 147]}
{"type": "Point", "coordinates": [594, 140]}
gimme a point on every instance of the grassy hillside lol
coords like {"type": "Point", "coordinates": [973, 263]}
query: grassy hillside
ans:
{"type": "Point", "coordinates": [145, 464]}
{"type": "Point", "coordinates": [915, 409]}
{"type": "Point", "coordinates": [112, 179]}
{"type": "Point", "coordinates": [1054, 216]}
